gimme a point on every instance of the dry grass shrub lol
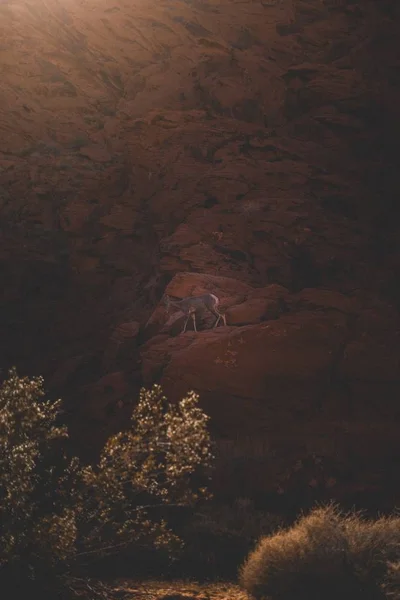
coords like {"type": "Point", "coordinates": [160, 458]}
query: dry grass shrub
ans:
{"type": "Point", "coordinates": [326, 554]}
{"type": "Point", "coordinates": [373, 546]}
{"type": "Point", "coordinates": [392, 581]}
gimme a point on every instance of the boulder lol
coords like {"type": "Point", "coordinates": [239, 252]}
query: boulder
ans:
{"type": "Point", "coordinates": [252, 311]}
{"type": "Point", "coordinates": [275, 367]}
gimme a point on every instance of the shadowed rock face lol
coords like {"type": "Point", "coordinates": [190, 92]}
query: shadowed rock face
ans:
{"type": "Point", "coordinates": [244, 149]}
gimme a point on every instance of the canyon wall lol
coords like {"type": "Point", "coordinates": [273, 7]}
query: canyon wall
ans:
{"type": "Point", "coordinates": [247, 149]}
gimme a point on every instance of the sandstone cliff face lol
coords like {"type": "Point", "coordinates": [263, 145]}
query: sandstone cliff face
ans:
{"type": "Point", "coordinates": [244, 149]}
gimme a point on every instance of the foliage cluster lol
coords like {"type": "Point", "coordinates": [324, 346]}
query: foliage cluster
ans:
{"type": "Point", "coordinates": [57, 513]}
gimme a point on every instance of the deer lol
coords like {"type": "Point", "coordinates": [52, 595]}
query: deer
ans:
{"type": "Point", "coordinates": [190, 305]}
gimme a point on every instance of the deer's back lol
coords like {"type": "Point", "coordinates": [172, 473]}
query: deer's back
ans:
{"type": "Point", "coordinates": [206, 300]}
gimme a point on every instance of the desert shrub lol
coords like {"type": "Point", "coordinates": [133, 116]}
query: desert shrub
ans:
{"type": "Point", "coordinates": [373, 545]}
{"type": "Point", "coordinates": [163, 460]}
{"type": "Point", "coordinates": [326, 554]}
{"type": "Point", "coordinates": [56, 513]}
{"type": "Point", "coordinates": [308, 557]}
{"type": "Point", "coordinates": [35, 474]}
{"type": "Point", "coordinates": [391, 584]}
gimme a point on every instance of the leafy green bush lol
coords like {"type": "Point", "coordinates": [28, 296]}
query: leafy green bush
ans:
{"type": "Point", "coordinates": [162, 460]}
{"type": "Point", "coordinates": [36, 478]}
{"type": "Point", "coordinates": [56, 512]}
{"type": "Point", "coordinates": [327, 555]}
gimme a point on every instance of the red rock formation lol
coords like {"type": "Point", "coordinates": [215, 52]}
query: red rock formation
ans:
{"type": "Point", "coordinates": [244, 149]}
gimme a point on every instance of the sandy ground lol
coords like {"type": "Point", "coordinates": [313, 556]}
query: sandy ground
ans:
{"type": "Point", "coordinates": [177, 590]}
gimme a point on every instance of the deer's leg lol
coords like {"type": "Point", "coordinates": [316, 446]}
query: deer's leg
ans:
{"type": "Point", "coordinates": [217, 314]}
{"type": "Point", "coordinates": [186, 322]}
{"type": "Point", "coordinates": [194, 321]}
{"type": "Point", "coordinates": [221, 316]}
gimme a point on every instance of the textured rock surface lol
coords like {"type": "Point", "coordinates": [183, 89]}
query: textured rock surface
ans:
{"type": "Point", "coordinates": [244, 149]}
{"type": "Point", "coordinates": [318, 378]}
